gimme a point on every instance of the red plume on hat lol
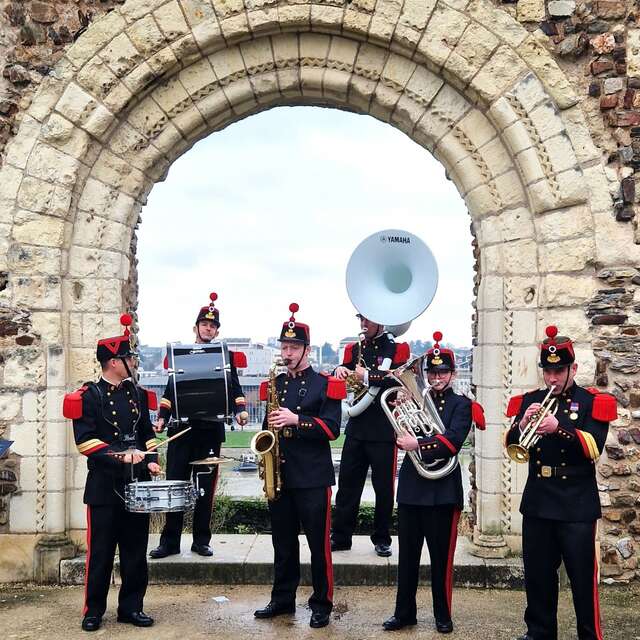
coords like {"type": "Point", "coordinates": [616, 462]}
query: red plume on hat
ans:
{"type": "Point", "coordinates": [437, 336]}
{"type": "Point", "coordinates": [294, 307]}
{"type": "Point", "coordinates": [552, 332]}
{"type": "Point", "coordinates": [126, 321]}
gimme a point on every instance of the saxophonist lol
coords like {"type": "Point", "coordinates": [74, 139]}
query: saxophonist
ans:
{"type": "Point", "coordinates": [429, 508]}
{"type": "Point", "coordinates": [560, 504]}
{"type": "Point", "coordinates": [307, 419]}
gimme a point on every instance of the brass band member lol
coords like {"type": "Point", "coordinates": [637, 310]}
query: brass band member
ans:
{"type": "Point", "coordinates": [110, 416]}
{"type": "Point", "coordinates": [560, 503]}
{"type": "Point", "coordinates": [369, 443]}
{"type": "Point", "coordinates": [204, 440]}
{"type": "Point", "coordinates": [307, 420]}
{"type": "Point", "coordinates": [429, 508]}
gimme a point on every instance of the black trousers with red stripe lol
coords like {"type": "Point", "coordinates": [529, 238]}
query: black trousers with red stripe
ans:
{"type": "Point", "coordinates": [309, 509]}
{"type": "Point", "coordinates": [109, 526]}
{"type": "Point", "coordinates": [357, 457]}
{"type": "Point", "coordinates": [194, 445]}
{"type": "Point", "coordinates": [546, 543]}
{"type": "Point", "coordinates": [439, 526]}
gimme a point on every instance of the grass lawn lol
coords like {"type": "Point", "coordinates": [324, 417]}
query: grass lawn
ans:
{"type": "Point", "coordinates": [240, 440]}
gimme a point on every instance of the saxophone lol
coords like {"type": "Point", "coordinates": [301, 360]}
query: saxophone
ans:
{"type": "Point", "coordinates": [266, 443]}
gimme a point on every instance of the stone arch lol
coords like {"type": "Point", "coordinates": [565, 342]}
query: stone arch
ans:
{"type": "Point", "coordinates": [151, 78]}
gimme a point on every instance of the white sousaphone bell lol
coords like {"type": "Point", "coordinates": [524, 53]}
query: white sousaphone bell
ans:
{"type": "Point", "coordinates": [391, 279]}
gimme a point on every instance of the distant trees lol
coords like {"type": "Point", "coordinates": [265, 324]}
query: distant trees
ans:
{"type": "Point", "coordinates": [329, 354]}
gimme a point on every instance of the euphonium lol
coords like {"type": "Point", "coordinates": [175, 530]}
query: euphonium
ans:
{"type": "Point", "coordinates": [356, 389]}
{"type": "Point", "coordinates": [266, 443]}
{"type": "Point", "coordinates": [519, 452]}
{"type": "Point", "coordinates": [416, 413]}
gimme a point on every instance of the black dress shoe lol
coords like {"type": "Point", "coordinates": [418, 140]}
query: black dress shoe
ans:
{"type": "Point", "coordinates": [162, 551]}
{"type": "Point", "coordinates": [272, 610]}
{"type": "Point", "coordinates": [444, 627]}
{"type": "Point", "coordinates": [340, 547]}
{"type": "Point", "coordinates": [202, 549]}
{"type": "Point", "coordinates": [319, 620]}
{"type": "Point", "coordinates": [526, 636]}
{"type": "Point", "coordinates": [393, 624]}
{"type": "Point", "coordinates": [136, 618]}
{"type": "Point", "coordinates": [91, 623]}
{"type": "Point", "coordinates": [383, 550]}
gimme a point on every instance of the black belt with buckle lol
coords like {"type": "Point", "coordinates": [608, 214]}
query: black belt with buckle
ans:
{"type": "Point", "coordinates": [565, 472]}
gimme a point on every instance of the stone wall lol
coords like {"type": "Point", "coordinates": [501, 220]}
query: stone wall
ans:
{"type": "Point", "coordinates": [510, 97]}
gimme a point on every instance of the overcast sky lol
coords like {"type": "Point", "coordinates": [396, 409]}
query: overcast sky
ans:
{"type": "Point", "coordinates": [268, 212]}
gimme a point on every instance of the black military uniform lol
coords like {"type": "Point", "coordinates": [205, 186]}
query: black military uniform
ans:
{"type": "Point", "coordinates": [204, 440]}
{"type": "Point", "coordinates": [307, 478]}
{"type": "Point", "coordinates": [560, 503]}
{"type": "Point", "coordinates": [109, 418]}
{"type": "Point", "coordinates": [430, 508]}
{"type": "Point", "coordinates": [369, 442]}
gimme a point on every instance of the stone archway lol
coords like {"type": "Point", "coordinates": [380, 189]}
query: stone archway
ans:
{"type": "Point", "coordinates": [151, 78]}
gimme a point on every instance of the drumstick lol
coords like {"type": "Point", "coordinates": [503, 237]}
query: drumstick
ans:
{"type": "Point", "coordinates": [168, 440]}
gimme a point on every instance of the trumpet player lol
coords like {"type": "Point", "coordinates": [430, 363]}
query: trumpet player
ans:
{"type": "Point", "coordinates": [430, 508]}
{"type": "Point", "coordinates": [561, 438]}
{"type": "Point", "coordinates": [307, 419]}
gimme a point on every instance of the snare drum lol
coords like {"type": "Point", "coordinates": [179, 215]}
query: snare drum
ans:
{"type": "Point", "coordinates": [201, 379]}
{"type": "Point", "coordinates": [159, 496]}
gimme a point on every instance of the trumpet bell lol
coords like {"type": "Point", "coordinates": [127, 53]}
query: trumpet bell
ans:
{"type": "Point", "coordinates": [392, 277]}
{"type": "Point", "coordinates": [518, 453]}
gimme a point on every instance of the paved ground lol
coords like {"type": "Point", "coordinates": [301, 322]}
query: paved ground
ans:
{"type": "Point", "coordinates": [191, 612]}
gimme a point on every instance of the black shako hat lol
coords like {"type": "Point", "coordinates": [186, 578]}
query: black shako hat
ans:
{"type": "Point", "coordinates": [293, 331]}
{"type": "Point", "coordinates": [556, 351]}
{"type": "Point", "coordinates": [439, 358]}
{"type": "Point", "coordinates": [209, 312]}
{"type": "Point", "coordinates": [118, 347]}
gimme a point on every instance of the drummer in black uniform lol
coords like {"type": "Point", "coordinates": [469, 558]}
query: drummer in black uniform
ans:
{"type": "Point", "coordinates": [111, 416]}
{"type": "Point", "coordinates": [369, 442]}
{"type": "Point", "coordinates": [204, 440]}
{"type": "Point", "coordinates": [308, 419]}
{"type": "Point", "coordinates": [560, 504]}
{"type": "Point", "coordinates": [429, 508]}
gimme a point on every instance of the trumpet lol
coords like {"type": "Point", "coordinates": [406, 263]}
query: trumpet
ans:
{"type": "Point", "coordinates": [519, 452]}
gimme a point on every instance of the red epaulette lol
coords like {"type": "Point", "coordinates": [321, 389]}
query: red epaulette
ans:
{"type": "Point", "coordinates": [348, 353]}
{"type": "Point", "coordinates": [152, 399]}
{"type": "Point", "coordinates": [165, 362]}
{"type": "Point", "coordinates": [72, 404]}
{"type": "Point", "coordinates": [477, 415]}
{"type": "Point", "coordinates": [239, 359]}
{"type": "Point", "coordinates": [513, 408]}
{"type": "Point", "coordinates": [336, 388]}
{"type": "Point", "coordinates": [402, 354]}
{"type": "Point", "coordinates": [264, 390]}
{"type": "Point", "coordinates": [605, 406]}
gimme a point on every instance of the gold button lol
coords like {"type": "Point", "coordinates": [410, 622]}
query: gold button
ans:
{"type": "Point", "coordinates": [564, 477]}
{"type": "Point", "coordinates": [302, 382]}
{"type": "Point", "coordinates": [113, 412]}
{"type": "Point", "coordinates": [538, 450]}
{"type": "Point", "coordinates": [538, 462]}
{"type": "Point", "coordinates": [297, 408]}
{"type": "Point", "coordinates": [110, 401]}
{"type": "Point", "coordinates": [561, 450]}
{"type": "Point", "coordinates": [566, 410]}
{"type": "Point", "coordinates": [115, 423]}
{"type": "Point", "coordinates": [286, 382]}
{"type": "Point", "coordinates": [539, 476]}
{"type": "Point", "coordinates": [115, 433]}
{"type": "Point", "coordinates": [563, 464]}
